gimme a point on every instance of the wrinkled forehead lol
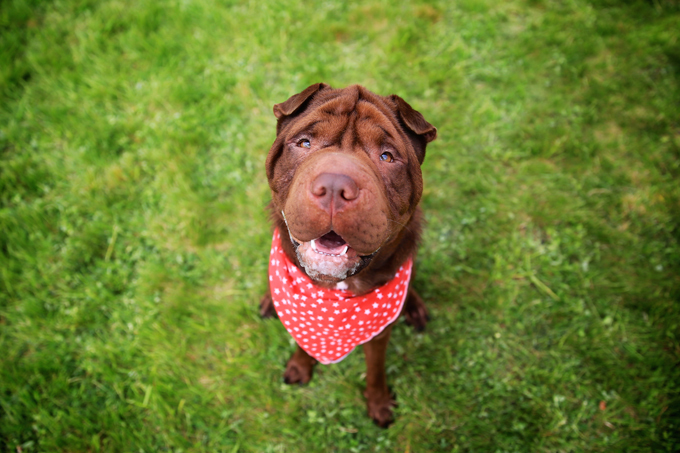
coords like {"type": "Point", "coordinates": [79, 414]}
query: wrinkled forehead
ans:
{"type": "Point", "coordinates": [374, 122]}
{"type": "Point", "coordinates": [332, 118]}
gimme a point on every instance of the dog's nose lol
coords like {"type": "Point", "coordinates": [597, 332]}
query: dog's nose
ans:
{"type": "Point", "coordinates": [334, 191]}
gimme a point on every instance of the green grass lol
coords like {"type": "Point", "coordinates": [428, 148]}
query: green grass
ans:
{"type": "Point", "coordinates": [133, 234]}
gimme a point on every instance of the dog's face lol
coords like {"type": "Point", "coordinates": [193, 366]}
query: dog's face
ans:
{"type": "Point", "coordinates": [345, 175]}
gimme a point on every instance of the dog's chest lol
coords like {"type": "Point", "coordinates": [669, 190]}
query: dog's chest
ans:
{"type": "Point", "coordinates": [330, 323]}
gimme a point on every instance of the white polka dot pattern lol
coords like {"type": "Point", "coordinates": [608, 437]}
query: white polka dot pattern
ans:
{"type": "Point", "coordinates": [328, 323]}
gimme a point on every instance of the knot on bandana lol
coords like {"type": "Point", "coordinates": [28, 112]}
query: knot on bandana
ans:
{"type": "Point", "coordinates": [329, 323]}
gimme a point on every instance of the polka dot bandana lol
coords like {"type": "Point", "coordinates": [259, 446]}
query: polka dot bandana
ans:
{"type": "Point", "coordinates": [330, 323]}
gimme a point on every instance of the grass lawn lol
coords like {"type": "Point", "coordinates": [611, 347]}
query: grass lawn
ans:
{"type": "Point", "coordinates": [134, 238]}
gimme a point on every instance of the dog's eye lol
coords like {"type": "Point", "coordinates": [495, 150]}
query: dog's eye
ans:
{"type": "Point", "coordinates": [304, 143]}
{"type": "Point", "coordinates": [386, 157]}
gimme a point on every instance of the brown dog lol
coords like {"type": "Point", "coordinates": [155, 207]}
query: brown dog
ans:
{"type": "Point", "coordinates": [344, 173]}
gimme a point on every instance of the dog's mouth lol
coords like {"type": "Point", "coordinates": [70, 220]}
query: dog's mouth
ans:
{"type": "Point", "coordinates": [329, 258]}
{"type": "Point", "coordinates": [330, 244]}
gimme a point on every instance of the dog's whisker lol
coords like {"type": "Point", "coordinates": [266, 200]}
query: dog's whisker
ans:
{"type": "Point", "coordinates": [403, 225]}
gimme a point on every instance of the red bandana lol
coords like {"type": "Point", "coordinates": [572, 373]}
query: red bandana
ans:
{"type": "Point", "coordinates": [329, 323]}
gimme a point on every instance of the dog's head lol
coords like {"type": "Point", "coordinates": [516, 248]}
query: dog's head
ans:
{"type": "Point", "coordinates": [344, 172]}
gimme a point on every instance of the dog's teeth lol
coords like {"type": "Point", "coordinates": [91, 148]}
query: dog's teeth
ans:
{"type": "Point", "coordinates": [344, 250]}
{"type": "Point", "coordinates": [314, 245]}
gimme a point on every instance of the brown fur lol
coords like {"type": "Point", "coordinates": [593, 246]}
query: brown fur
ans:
{"type": "Point", "coordinates": [348, 130]}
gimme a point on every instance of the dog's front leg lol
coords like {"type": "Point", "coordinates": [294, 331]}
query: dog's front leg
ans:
{"type": "Point", "coordinates": [415, 310]}
{"type": "Point", "coordinates": [267, 309]}
{"type": "Point", "coordinates": [378, 397]}
{"type": "Point", "coordinates": [299, 368]}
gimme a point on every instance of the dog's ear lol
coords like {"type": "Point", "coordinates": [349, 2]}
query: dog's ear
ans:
{"type": "Point", "coordinates": [295, 103]}
{"type": "Point", "coordinates": [419, 131]}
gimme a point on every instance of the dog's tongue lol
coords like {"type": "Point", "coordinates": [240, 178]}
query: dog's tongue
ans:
{"type": "Point", "coordinates": [331, 243]}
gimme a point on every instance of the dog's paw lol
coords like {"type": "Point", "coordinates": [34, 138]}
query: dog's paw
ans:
{"type": "Point", "coordinates": [299, 368]}
{"type": "Point", "coordinates": [415, 311]}
{"type": "Point", "coordinates": [380, 408]}
{"type": "Point", "coordinates": [296, 374]}
{"type": "Point", "coordinates": [267, 309]}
